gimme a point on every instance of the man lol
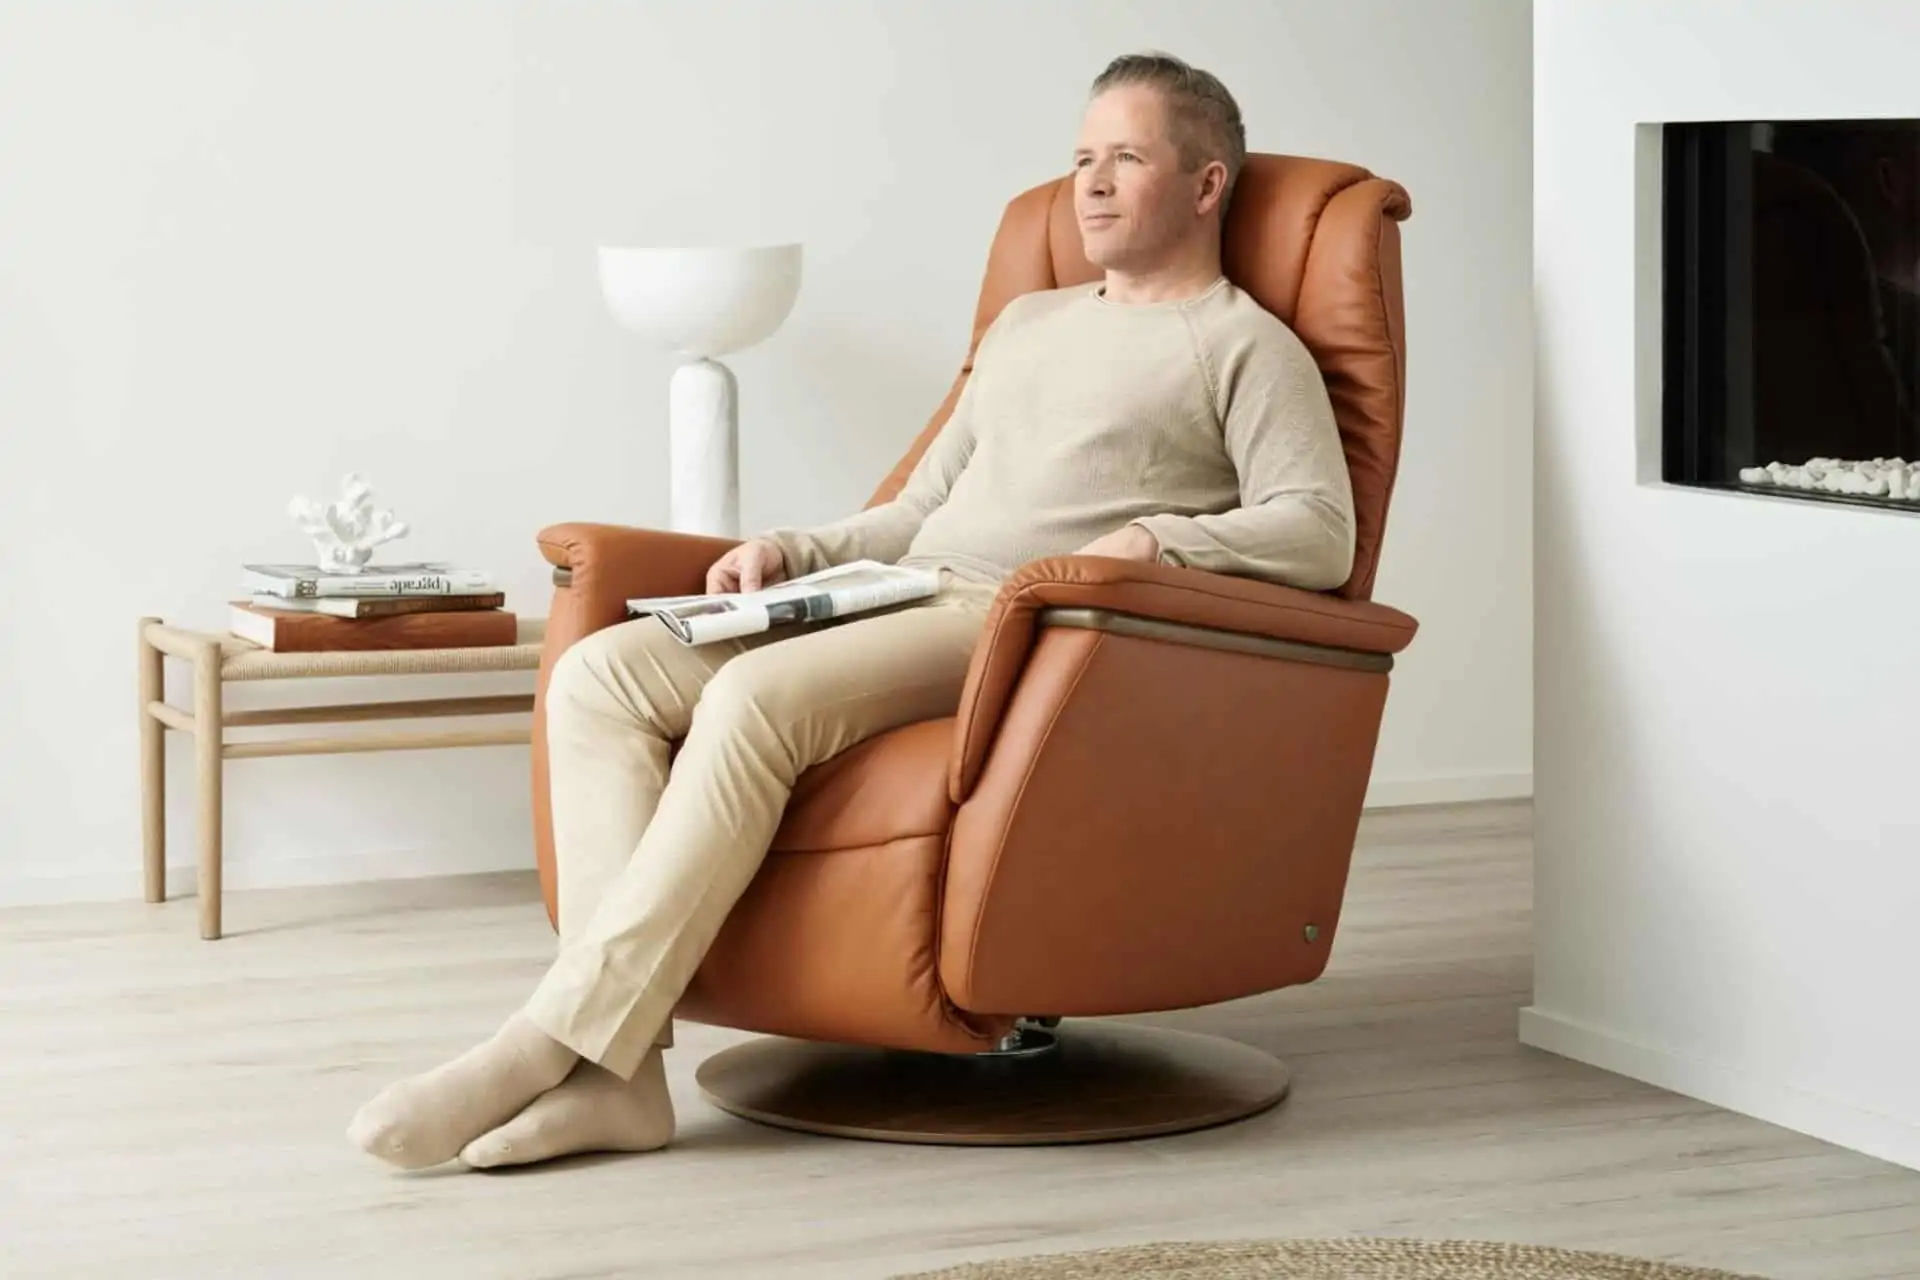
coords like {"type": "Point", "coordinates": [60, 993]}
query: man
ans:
{"type": "Point", "coordinates": [1159, 415]}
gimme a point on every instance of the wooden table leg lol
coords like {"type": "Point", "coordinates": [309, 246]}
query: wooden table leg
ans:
{"type": "Point", "coordinates": [153, 769]}
{"type": "Point", "coordinates": [207, 740]}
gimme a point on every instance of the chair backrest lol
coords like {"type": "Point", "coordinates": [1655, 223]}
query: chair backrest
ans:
{"type": "Point", "coordinates": [1315, 242]}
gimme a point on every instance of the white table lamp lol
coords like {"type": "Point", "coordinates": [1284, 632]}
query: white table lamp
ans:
{"type": "Point", "coordinates": [702, 303]}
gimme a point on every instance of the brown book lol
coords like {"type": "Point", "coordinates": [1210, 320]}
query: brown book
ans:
{"type": "Point", "coordinates": [293, 631]}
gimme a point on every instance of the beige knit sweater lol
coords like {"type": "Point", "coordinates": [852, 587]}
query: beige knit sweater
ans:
{"type": "Point", "coordinates": [1205, 421]}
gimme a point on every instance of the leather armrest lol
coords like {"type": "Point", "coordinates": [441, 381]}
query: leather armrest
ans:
{"type": "Point", "coordinates": [602, 566]}
{"type": "Point", "coordinates": [1236, 607]}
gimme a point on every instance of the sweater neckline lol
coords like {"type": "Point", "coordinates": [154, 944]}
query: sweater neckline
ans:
{"type": "Point", "coordinates": [1097, 291]}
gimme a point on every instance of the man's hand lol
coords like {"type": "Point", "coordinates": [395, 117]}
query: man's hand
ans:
{"type": "Point", "coordinates": [1128, 542]}
{"type": "Point", "coordinates": [754, 564]}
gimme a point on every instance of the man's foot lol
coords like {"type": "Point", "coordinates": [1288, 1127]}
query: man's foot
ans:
{"type": "Point", "coordinates": [592, 1110]}
{"type": "Point", "coordinates": [425, 1120]}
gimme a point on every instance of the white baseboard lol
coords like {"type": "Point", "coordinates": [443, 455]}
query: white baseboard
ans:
{"type": "Point", "coordinates": [1871, 1133]}
{"type": "Point", "coordinates": [1390, 793]}
{"type": "Point", "coordinates": [126, 885]}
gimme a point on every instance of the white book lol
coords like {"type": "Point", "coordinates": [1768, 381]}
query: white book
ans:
{"type": "Point", "coordinates": [830, 593]}
{"type": "Point", "coordinates": [380, 606]}
{"type": "Point", "coordinates": [420, 578]}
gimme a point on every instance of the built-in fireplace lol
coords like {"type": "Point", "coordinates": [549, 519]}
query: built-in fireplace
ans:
{"type": "Point", "coordinates": [1791, 282]}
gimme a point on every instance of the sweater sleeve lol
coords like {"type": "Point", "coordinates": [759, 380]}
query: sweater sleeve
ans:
{"type": "Point", "coordinates": [1295, 523]}
{"type": "Point", "coordinates": [884, 532]}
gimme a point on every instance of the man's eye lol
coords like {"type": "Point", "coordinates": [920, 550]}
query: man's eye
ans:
{"type": "Point", "coordinates": [1128, 155]}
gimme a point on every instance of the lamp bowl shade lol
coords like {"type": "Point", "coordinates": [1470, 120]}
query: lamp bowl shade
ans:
{"type": "Point", "coordinates": [701, 302]}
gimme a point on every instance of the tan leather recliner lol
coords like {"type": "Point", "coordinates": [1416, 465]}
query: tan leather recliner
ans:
{"type": "Point", "coordinates": [1148, 797]}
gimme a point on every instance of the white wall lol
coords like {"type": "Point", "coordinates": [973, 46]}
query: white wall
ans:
{"type": "Point", "coordinates": [247, 247]}
{"type": "Point", "coordinates": [1727, 885]}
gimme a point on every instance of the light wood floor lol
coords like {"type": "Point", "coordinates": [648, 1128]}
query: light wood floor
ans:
{"type": "Point", "coordinates": [170, 1107]}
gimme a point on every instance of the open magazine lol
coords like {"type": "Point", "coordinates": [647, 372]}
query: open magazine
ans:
{"type": "Point", "coordinates": [830, 593]}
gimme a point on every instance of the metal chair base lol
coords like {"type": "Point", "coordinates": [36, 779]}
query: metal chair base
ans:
{"type": "Point", "coordinates": [1099, 1081]}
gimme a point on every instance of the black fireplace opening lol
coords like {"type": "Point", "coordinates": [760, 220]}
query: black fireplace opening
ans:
{"type": "Point", "coordinates": [1791, 296]}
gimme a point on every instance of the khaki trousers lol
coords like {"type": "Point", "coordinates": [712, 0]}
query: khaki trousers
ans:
{"type": "Point", "coordinates": [649, 861]}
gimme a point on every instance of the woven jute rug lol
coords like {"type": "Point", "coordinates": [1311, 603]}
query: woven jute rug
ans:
{"type": "Point", "coordinates": [1354, 1259]}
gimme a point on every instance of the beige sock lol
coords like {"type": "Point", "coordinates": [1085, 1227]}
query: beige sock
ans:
{"type": "Point", "coordinates": [426, 1119]}
{"type": "Point", "coordinates": [592, 1110]}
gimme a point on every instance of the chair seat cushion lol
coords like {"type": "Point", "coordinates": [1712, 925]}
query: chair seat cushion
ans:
{"type": "Point", "coordinates": [887, 788]}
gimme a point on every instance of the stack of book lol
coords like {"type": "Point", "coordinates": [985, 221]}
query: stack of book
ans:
{"type": "Point", "coordinates": [300, 608]}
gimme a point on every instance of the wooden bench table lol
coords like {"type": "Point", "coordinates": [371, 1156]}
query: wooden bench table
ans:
{"type": "Point", "coordinates": [220, 657]}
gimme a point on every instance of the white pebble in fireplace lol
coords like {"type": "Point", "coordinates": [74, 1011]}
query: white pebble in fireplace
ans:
{"type": "Point", "coordinates": [1894, 478]}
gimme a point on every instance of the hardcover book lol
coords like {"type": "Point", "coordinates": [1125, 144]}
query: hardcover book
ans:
{"type": "Point", "coordinates": [295, 631]}
{"type": "Point", "coordinates": [421, 578]}
{"type": "Point", "coordinates": [382, 606]}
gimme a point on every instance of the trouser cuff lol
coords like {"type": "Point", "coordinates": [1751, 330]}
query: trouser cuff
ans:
{"type": "Point", "coordinates": [598, 1015]}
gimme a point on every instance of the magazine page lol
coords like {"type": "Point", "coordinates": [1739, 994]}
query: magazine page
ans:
{"type": "Point", "coordinates": [829, 593]}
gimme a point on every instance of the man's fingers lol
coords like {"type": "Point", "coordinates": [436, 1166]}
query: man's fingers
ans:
{"type": "Point", "coordinates": [742, 570]}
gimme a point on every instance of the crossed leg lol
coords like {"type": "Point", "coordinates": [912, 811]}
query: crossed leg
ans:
{"type": "Point", "coordinates": [578, 1067]}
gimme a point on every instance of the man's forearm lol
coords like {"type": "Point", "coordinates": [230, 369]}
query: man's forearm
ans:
{"type": "Point", "coordinates": [1303, 542]}
{"type": "Point", "coordinates": [880, 533]}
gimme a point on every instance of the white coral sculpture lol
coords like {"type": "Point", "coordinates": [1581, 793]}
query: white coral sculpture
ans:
{"type": "Point", "coordinates": [346, 530]}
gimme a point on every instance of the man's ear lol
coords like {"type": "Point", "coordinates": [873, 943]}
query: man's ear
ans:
{"type": "Point", "coordinates": [1213, 185]}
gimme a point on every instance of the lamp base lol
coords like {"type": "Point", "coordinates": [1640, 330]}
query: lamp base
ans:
{"type": "Point", "coordinates": [703, 446]}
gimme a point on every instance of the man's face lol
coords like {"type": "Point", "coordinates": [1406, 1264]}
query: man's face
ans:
{"type": "Point", "coordinates": [1135, 207]}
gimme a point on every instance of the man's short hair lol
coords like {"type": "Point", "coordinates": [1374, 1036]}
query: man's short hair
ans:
{"type": "Point", "coordinates": [1204, 118]}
